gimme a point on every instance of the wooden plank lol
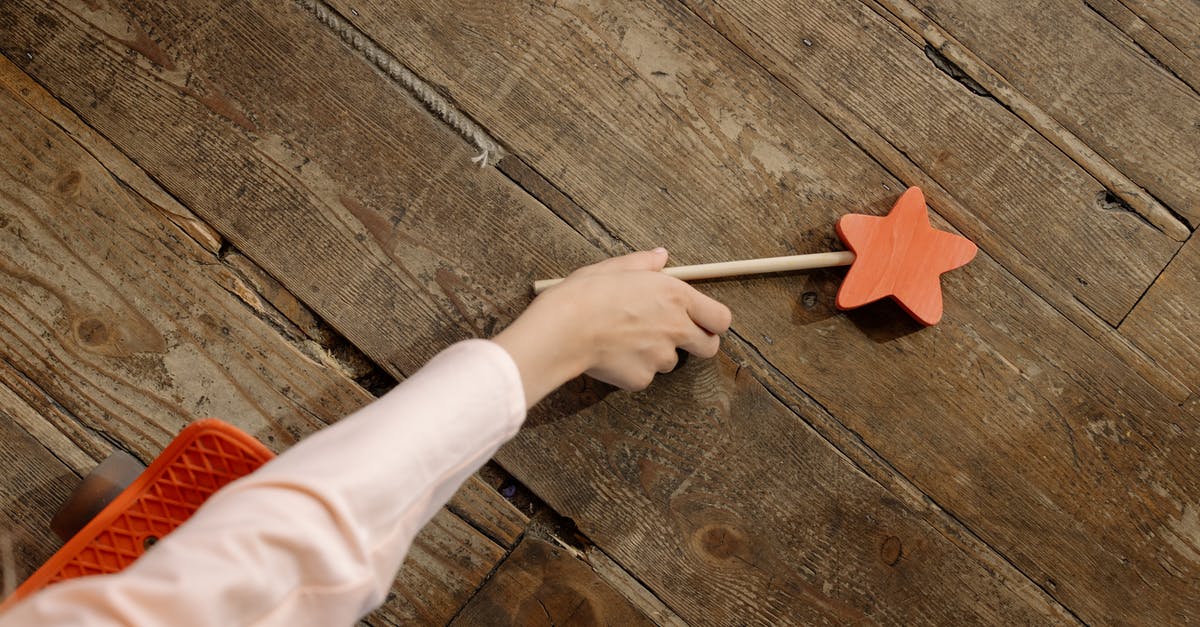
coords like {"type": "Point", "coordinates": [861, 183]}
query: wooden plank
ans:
{"type": "Point", "coordinates": [755, 510]}
{"type": "Point", "coordinates": [1176, 20]}
{"type": "Point", "coordinates": [114, 161]}
{"type": "Point", "coordinates": [664, 103]}
{"type": "Point", "coordinates": [998, 414]}
{"type": "Point", "coordinates": [1166, 323]}
{"type": "Point", "coordinates": [1182, 58]}
{"type": "Point", "coordinates": [35, 483]}
{"type": "Point", "coordinates": [543, 585]}
{"type": "Point", "coordinates": [1077, 67]}
{"type": "Point", "coordinates": [124, 329]}
{"type": "Point", "coordinates": [408, 226]}
{"type": "Point", "coordinates": [953, 58]}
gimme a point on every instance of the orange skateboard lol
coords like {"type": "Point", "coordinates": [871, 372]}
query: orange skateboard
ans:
{"type": "Point", "coordinates": [116, 514]}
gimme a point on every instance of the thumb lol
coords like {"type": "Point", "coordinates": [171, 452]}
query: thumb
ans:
{"type": "Point", "coordinates": [653, 260]}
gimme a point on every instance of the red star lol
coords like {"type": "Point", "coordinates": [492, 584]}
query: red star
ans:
{"type": "Point", "coordinates": [901, 256]}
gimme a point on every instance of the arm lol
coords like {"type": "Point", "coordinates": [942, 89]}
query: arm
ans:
{"type": "Point", "coordinates": [316, 535]}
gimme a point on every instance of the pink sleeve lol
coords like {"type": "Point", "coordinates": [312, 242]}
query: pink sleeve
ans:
{"type": "Point", "coordinates": [314, 537]}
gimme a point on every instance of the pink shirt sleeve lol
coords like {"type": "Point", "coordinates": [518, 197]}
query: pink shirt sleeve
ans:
{"type": "Point", "coordinates": [314, 537]}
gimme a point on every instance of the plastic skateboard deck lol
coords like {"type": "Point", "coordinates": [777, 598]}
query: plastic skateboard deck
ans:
{"type": "Point", "coordinates": [204, 457]}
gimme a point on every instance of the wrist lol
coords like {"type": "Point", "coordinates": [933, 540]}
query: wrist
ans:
{"type": "Point", "coordinates": [547, 348]}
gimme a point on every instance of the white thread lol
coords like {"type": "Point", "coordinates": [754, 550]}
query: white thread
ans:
{"type": "Point", "coordinates": [490, 150]}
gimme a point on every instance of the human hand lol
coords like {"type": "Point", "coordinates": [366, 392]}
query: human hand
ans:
{"type": "Point", "coordinates": [619, 320]}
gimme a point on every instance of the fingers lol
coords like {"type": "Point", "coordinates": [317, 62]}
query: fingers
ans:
{"type": "Point", "coordinates": [668, 360]}
{"type": "Point", "coordinates": [707, 313]}
{"type": "Point", "coordinates": [701, 343]}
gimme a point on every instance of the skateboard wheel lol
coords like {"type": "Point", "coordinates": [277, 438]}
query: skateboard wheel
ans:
{"type": "Point", "coordinates": [94, 492]}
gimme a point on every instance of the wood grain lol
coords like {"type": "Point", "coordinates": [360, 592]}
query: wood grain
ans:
{"type": "Point", "coordinates": [1028, 431]}
{"type": "Point", "coordinates": [1007, 175]}
{"type": "Point", "coordinates": [952, 57]}
{"type": "Point", "coordinates": [391, 250]}
{"type": "Point", "coordinates": [34, 484]}
{"type": "Point", "coordinates": [1166, 323]}
{"type": "Point", "coordinates": [120, 328]}
{"type": "Point", "coordinates": [1182, 58]}
{"type": "Point", "coordinates": [33, 95]}
{"type": "Point", "coordinates": [1081, 70]}
{"type": "Point", "coordinates": [672, 105]}
{"type": "Point", "coordinates": [755, 520]}
{"type": "Point", "coordinates": [541, 585]}
{"type": "Point", "coordinates": [1175, 19]}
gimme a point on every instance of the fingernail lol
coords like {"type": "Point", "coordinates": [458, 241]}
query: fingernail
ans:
{"type": "Point", "coordinates": [659, 251]}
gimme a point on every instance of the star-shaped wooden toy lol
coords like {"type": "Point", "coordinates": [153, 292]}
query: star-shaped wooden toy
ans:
{"type": "Point", "coordinates": [899, 255]}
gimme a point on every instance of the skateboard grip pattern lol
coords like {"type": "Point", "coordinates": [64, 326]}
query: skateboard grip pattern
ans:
{"type": "Point", "coordinates": [203, 458]}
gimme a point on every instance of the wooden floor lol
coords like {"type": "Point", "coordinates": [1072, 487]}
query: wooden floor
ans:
{"type": "Point", "coordinates": [269, 211]}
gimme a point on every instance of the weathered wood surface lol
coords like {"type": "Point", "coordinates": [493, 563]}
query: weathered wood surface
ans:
{"type": "Point", "coordinates": [1078, 67]}
{"type": "Point", "coordinates": [1176, 20]}
{"type": "Point", "coordinates": [728, 509]}
{"type": "Point", "coordinates": [1010, 178]}
{"type": "Point", "coordinates": [541, 585]}
{"type": "Point", "coordinates": [120, 328]}
{"type": "Point", "coordinates": [1007, 415]}
{"type": "Point", "coordinates": [952, 57]}
{"type": "Point", "coordinates": [755, 520]}
{"type": "Point", "coordinates": [1006, 175]}
{"type": "Point", "coordinates": [1166, 323]}
{"type": "Point", "coordinates": [34, 484]}
{"type": "Point", "coordinates": [1165, 30]}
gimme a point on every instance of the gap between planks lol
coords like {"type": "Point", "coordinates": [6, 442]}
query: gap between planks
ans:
{"type": "Point", "coordinates": [573, 225]}
{"type": "Point", "coordinates": [79, 447]}
{"type": "Point", "coordinates": [873, 145]}
{"type": "Point", "coordinates": [1149, 40]}
{"type": "Point", "coordinates": [1139, 200]}
{"type": "Point", "coordinates": [118, 164]}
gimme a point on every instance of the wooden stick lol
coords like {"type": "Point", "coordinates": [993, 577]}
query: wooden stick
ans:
{"type": "Point", "coordinates": [741, 268]}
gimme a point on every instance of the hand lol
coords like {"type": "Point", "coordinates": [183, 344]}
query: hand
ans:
{"type": "Point", "coordinates": [619, 321]}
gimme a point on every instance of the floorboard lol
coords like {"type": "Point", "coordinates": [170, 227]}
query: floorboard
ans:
{"type": "Point", "coordinates": [1175, 19]}
{"type": "Point", "coordinates": [678, 108]}
{"type": "Point", "coordinates": [1020, 463]}
{"type": "Point", "coordinates": [542, 585]}
{"type": "Point", "coordinates": [1166, 322]}
{"type": "Point", "coordinates": [1003, 171]}
{"type": "Point", "coordinates": [35, 483]}
{"type": "Point", "coordinates": [1181, 59]}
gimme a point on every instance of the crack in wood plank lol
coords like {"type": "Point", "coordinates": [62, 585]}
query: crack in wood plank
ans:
{"type": "Point", "coordinates": [991, 81]}
{"type": "Point", "coordinates": [1149, 41]}
{"type": "Point", "coordinates": [750, 394]}
{"type": "Point", "coordinates": [464, 56]}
